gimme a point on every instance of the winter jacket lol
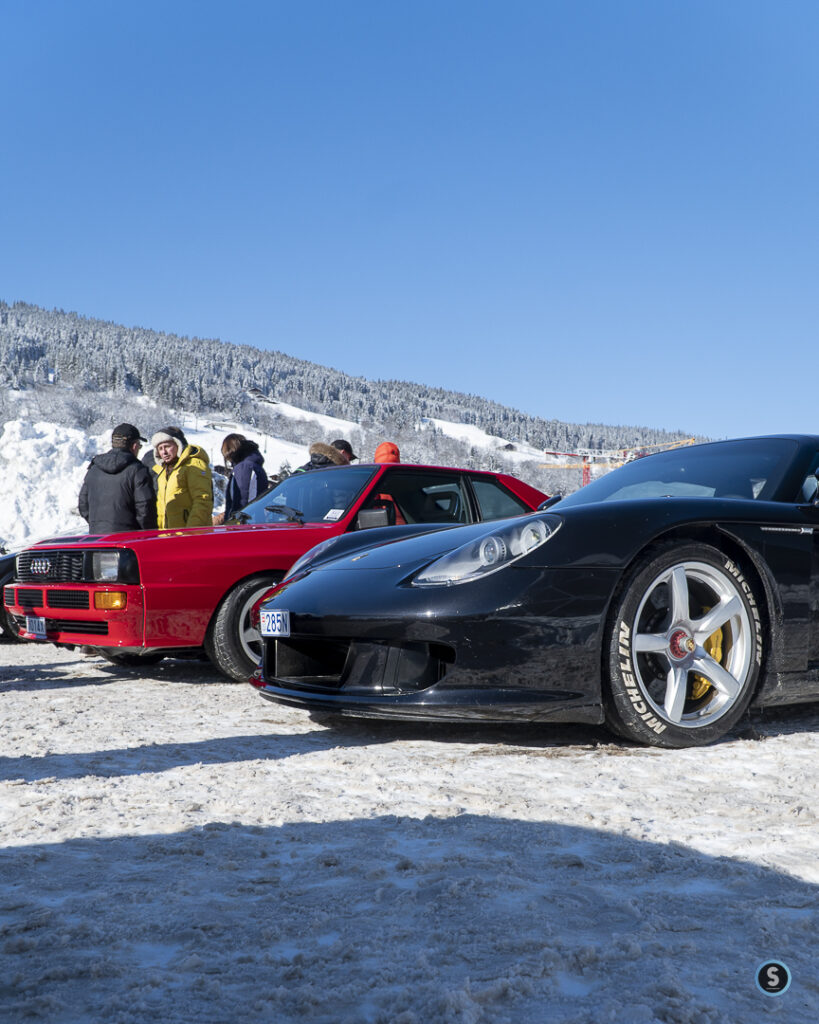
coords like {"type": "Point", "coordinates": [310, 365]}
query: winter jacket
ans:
{"type": "Point", "coordinates": [148, 460]}
{"type": "Point", "coordinates": [248, 479]}
{"type": "Point", "coordinates": [321, 456]}
{"type": "Point", "coordinates": [184, 491]}
{"type": "Point", "coordinates": [117, 494]}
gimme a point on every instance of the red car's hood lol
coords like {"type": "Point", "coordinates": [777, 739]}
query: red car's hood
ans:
{"type": "Point", "coordinates": [138, 537]}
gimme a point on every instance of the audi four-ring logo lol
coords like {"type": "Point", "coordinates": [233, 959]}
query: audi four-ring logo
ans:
{"type": "Point", "coordinates": [42, 566]}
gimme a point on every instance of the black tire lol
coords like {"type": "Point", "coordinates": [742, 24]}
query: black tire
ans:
{"type": "Point", "coordinates": [128, 659]}
{"type": "Point", "coordinates": [232, 644]}
{"type": "Point", "coordinates": [9, 629]}
{"type": "Point", "coordinates": [684, 649]}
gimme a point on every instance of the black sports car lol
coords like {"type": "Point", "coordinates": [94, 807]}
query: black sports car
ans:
{"type": "Point", "coordinates": [664, 598]}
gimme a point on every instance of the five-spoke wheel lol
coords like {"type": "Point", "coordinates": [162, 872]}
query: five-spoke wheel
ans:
{"type": "Point", "coordinates": [685, 648]}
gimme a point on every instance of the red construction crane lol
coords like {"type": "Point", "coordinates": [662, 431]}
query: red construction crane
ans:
{"type": "Point", "coordinates": [608, 456]}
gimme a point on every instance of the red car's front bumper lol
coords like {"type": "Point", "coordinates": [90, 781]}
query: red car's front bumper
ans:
{"type": "Point", "coordinates": [80, 613]}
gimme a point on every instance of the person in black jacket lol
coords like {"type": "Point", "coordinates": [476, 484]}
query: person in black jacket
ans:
{"type": "Point", "coordinates": [248, 479]}
{"type": "Point", "coordinates": [339, 453]}
{"type": "Point", "coordinates": [117, 493]}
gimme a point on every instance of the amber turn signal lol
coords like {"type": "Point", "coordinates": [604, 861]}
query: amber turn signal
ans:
{"type": "Point", "coordinates": [110, 599]}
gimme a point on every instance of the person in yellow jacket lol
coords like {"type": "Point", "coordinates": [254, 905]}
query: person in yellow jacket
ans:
{"type": "Point", "coordinates": [184, 484]}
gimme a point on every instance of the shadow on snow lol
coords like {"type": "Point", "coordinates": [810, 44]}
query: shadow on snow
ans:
{"type": "Point", "coordinates": [460, 919]}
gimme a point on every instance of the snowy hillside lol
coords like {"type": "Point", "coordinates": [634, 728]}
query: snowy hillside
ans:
{"type": "Point", "coordinates": [43, 464]}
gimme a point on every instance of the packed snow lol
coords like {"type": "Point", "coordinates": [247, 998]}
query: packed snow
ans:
{"type": "Point", "coordinates": [175, 848]}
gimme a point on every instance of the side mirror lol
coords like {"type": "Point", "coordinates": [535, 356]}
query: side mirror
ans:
{"type": "Point", "coordinates": [555, 498]}
{"type": "Point", "coordinates": [371, 518]}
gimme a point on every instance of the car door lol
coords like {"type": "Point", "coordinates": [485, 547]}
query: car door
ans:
{"type": "Point", "coordinates": [423, 496]}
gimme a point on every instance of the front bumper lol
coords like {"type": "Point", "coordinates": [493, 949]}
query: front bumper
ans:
{"type": "Point", "coordinates": [71, 615]}
{"type": "Point", "coordinates": [523, 645]}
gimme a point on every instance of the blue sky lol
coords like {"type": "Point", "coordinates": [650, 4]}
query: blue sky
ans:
{"type": "Point", "coordinates": [590, 210]}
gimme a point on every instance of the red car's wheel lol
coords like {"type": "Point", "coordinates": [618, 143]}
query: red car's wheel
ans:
{"type": "Point", "coordinates": [233, 644]}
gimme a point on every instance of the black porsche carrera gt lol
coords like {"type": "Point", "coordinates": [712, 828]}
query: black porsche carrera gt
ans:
{"type": "Point", "coordinates": [664, 598]}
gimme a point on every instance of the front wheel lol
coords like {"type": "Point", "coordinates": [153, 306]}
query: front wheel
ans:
{"type": "Point", "coordinates": [233, 643]}
{"type": "Point", "coordinates": [8, 624]}
{"type": "Point", "coordinates": [685, 649]}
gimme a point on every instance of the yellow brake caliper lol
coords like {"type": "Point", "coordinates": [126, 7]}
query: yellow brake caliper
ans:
{"type": "Point", "coordinates": [713, 646]}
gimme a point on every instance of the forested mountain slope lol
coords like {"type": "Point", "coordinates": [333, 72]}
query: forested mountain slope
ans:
{"type": "Point", "coordinates": [67, 358]}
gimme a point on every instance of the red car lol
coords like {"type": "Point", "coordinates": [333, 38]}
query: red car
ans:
{"type": "Point", "coordinates": [138, 597]}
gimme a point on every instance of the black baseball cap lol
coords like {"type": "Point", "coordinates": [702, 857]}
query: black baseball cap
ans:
{"type": "Point", "coordinates": [128, 433]}
{"type": "Point", "coordinates": [344, 446]}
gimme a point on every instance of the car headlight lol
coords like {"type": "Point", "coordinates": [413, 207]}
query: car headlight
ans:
{"type": "Point", "coordinates": [494, 550]}
{"type": "Point", "coordinates": [118, 566]}
{"type": "Point", "coordinates": [105, 566]}
{"type": "Point", "coordinates": [310, 556]}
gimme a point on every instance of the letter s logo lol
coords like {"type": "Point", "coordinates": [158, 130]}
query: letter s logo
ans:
{"type": "Point", "coordinates": [773, 978]}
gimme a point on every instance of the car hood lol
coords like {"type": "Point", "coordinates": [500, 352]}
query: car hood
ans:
{"type": "Point", "coordinates": [407, 552]}
{"type": "Point", "coordinates": [140, 537]}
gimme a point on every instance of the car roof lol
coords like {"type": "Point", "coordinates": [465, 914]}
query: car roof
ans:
{"type": "Point", "coordinates": [409, 465]}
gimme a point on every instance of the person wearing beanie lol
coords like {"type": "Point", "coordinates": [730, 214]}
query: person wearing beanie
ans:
{"type": "Point", "coordinates": [184, 484]}
{"type": "Point", "coordinates": [323, 455]}
{"type": "Point", "coordinates": [117, 494]}
{"type": "Point", "coordinates": [387, 452]}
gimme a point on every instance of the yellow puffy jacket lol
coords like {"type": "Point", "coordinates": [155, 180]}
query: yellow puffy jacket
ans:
{"type": "Point", "coordinates": [184, 493]}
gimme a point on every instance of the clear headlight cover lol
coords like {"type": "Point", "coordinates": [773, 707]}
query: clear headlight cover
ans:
{"type": "Point", "coordinates": [490, 552]}
{"type": "Point", "coordinates": [310, 556]}
{"type": "Point", "coordinates": [105, 566]}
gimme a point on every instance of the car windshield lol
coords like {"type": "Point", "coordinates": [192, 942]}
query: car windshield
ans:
{"type": "Point", "coordinates": [318, 496]}
{"type": "Point", "coordinates": [749, 469]}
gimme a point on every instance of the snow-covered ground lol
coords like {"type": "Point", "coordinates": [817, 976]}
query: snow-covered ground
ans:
{"type": "Point", "coordinates": [175, 849]}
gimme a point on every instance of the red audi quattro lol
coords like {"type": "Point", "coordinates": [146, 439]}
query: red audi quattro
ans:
{"type": "Point", "coordinates": [138, 597]}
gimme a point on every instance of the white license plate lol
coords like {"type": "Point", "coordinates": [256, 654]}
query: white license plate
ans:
{"type": "Point", "coordinates": [276, 623]}
{"type": "Point", "coordinates": [36, 624]}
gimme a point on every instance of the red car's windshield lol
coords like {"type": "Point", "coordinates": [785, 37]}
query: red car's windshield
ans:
{"type": "Point", "coordinates": [317, 496]}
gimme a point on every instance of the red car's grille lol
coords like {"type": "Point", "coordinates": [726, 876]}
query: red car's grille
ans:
{"type": "Point", "coordinates": [68, 599]}
{"type": "Point", "coordinates": [74, 626]}
{"type": "Point", "coordinates": [50, 566]}
{"type": "Point", "coordinates": [69, 626]}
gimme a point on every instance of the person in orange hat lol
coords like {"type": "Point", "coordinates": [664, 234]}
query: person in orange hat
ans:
{"type": "Point", "coordinates": [387, 452]}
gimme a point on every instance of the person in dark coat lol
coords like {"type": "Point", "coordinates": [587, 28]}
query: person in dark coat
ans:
{"type": "Point", "coordinates": [149, 461]}
{"type": "Point", "coordinates": [339, 453]}
{"type": "Point", "coordinates": [117, 494]}
{"type": "Point", "coordinates": [248, 479]}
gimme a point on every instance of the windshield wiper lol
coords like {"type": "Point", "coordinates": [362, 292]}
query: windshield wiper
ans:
{"type": "Point", "coordinates": [292, 514]}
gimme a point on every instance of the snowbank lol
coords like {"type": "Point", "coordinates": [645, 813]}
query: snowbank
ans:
{"type": "Point", "coordinates": [43, 465]}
